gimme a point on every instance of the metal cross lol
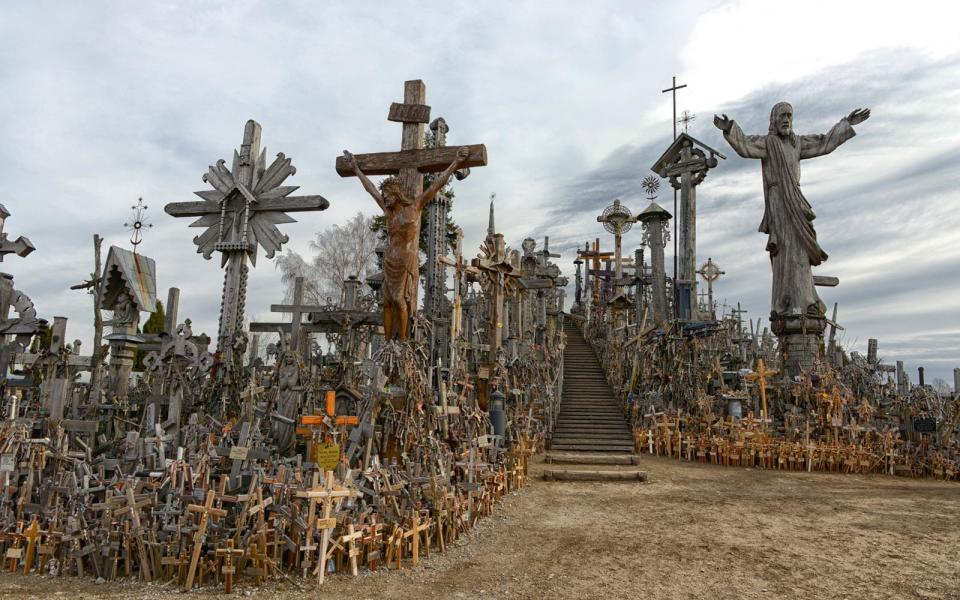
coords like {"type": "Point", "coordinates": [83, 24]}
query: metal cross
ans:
{"type": "Point", "coordinates": [673, 91]}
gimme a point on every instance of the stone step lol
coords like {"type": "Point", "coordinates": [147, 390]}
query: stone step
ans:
{"type": "Point", "coordinates": [612, 436]}
{"type": "Point", "coordinates": [604, 424]}
{"type": "Point", "coordinates": [591, 424]}
{"type": "Point", "coordinates": [593, 429]}
{"type": "Point", "coordinates": [588, 401]}
{"type": "Point", "coordinates": [598, 440]}
{"type": "Point", "coordinates": [570, 458]}
{"type": "Point", "coordinates": [575, 431]}
{"type": "Point", "coordinates": [593, 447]}
{"type": "Point", "coordinates": [583, 475]}
{"type": "Point", "coordinates": [585, 419]}
{"type": "Point", "coordinates": [594, 440]}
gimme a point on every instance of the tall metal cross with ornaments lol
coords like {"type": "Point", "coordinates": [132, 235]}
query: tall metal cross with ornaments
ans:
{"type": "Point", "coordinates": [240, 213]}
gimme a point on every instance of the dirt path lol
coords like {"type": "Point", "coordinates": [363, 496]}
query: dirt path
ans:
{"type": "Point", "coordinates": [692, 532]}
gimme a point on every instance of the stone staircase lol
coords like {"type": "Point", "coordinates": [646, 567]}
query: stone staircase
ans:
{"type": "Point", "coordinates": [591, 429]}
{"type": "Point", "coordinates": [590, 418]}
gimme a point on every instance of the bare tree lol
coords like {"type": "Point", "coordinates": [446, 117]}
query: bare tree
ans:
{"type": "Point", "coordinates": [339, 251]}
{"type": "Point", "coordinates": [941, 387]}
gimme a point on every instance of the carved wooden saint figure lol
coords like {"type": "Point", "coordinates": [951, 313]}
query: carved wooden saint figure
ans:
{"type": "Point", "coordinates": [288, 402]}
{"type": "Point", "coordinates": [401, 260]}
{"type": "Point", "coordinates": [788, 217]}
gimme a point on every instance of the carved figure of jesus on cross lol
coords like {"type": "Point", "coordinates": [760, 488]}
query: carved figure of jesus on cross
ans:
{"type": "Point", "coordinates": [402, 199]}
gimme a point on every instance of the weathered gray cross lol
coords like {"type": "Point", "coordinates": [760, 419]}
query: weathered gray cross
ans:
{"type": "Point", "coordinates": [241, 212]}
{"type": "Point", "coordinates": [413, 160]}
{"type": "Point", "coordinates": [21, 246]}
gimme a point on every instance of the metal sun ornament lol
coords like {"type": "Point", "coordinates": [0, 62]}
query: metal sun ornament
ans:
{"type": "Point", "coordinates": [650, 184]}
{"type": "Point", "coordinates": [138, 223]}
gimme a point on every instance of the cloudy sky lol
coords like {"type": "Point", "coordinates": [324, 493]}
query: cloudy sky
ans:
{"type": "Point", "coordinates": [103, 103]}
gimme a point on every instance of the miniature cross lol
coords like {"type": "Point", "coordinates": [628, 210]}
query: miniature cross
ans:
{"type": "Point", "coordinates": [206, 511]}
{"type": "Point", "coordinates": [228, 570]}
{"type": "Point", "coordinates": [329, 494]}
{"type": "Point", "coordinates": [760, 375]}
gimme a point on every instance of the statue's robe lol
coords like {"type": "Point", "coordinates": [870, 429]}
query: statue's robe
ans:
{"type": "Point", "coordinates": [788, 217]}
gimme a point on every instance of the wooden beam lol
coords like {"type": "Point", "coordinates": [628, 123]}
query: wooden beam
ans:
{"type": "Point", "coordinates": [825, 281]}
{"type": "Point", "coordinates": [291, 204]}
{"type": "Point", "coordinates": [426, 160]}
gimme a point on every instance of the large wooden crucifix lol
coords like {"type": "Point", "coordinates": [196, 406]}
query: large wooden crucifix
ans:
{"type": "Point", "coordinates": [241, 212]}
{"type": "Point", "coordinates": [402, 198]}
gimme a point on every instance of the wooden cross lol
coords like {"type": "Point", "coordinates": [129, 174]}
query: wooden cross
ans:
{"type": "Point", "coordinates": [133, 509]}
{"type": "Point", "coordinates": [373, 542]}
{"type": "Point", "coordinates": [228, 569]}
{"type": "Point", "coordinates": [502, 278]}
{"type": "Point", "coordinates": [31, 535]}
{"type": "Point", "coordinates": [760, 375]}
{"type": "Point", "coordinates": [595, 256]}
{"type": "Point", "coordinates": [350, 541]}
{"type": "Point", "coordinates": [416, 529]}
{"type": "Point", "coordinates": [413, 160]}
{"type": "Point", "coordinates": [297, 309]}
{"type": "Point", "coordinates": [240, 214]}
{"type": "Point", "coordinates": [14, 552]}
{"type": "Point", "coordinates": [409, 164]}
{"type": "Point", "coordinates": [710, 273]}
{"type": "Point", "coordinates": [461, 269]}
{"type": "Point", "coordinates": [250, 393]}
{"type": "Point", "coordinates": [321, 320]}
{"type": "Point", "coordinates": [206, 511]}
{"type": "Point", "coordinates": [329, 494]}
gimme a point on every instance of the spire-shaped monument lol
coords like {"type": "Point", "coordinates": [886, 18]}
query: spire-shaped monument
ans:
{"type": "Point", "coordinates": [491, 226]}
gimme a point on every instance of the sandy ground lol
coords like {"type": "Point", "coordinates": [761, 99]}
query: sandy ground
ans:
{"type": "Point", "coordinates": [693, 531]}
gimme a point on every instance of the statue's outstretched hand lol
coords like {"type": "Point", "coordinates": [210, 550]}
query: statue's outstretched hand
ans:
{"type": "Point", "coordinates": [463, 153]}
{"type": "Point", "coordinates": [859, 115]}
{"type": "Point", "coordinates": [351, 160]}
{"type": "Point", "coordinates": [723, 123]}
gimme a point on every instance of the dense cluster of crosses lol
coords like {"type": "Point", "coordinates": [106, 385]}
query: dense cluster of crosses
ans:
{"type": "Point", "coordinates": [697, 382]}
{"type": "Point", "coordinates": [178, 457]}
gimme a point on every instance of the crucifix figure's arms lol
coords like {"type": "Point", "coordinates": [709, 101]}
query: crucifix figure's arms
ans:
{"type": "Point", "coordinates": [365, 181]}
{"type": "Point", "coordinates": [463, 153]}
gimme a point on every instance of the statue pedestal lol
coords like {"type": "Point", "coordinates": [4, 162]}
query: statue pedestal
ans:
{"type": "Point", "coordinates": [801, 339]}
{"type": "Point", "coordinates": [123, 344]}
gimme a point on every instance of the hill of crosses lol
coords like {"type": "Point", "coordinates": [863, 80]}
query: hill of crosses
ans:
{"type": "Point", "coordinates": [452, 378]}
